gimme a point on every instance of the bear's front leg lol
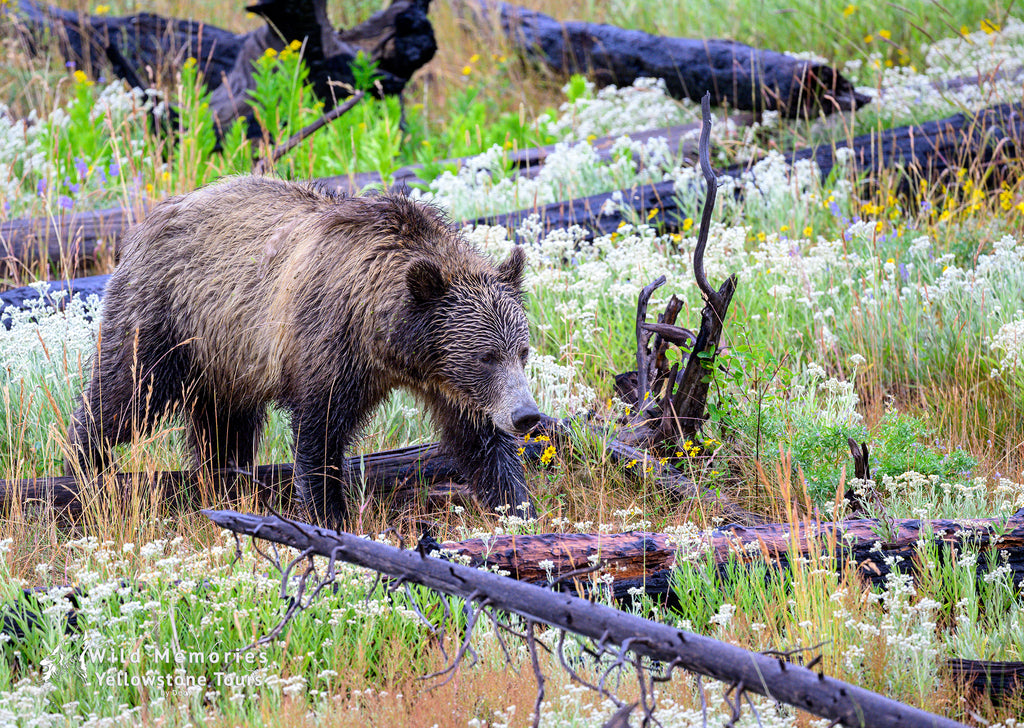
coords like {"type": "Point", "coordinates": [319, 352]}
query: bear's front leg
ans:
{"type": "Point", "coordinates": [321, 479]}
{"type": "Point", "coordinates": [489, 460]}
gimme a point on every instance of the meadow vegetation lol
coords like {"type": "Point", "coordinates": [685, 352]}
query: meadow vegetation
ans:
{"type": "Point", "coordinates": [862, 311]}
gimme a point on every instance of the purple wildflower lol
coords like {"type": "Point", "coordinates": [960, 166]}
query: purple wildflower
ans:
{"type": "Point", "coordinates": [81, 167]}
{"type": "Point", "coordinates": [66, 202]}
{"type": "Point", "coordinates": [41, 188]}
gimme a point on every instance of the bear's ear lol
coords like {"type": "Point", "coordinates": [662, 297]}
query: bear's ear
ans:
{"type": "Point", "coordinates": [425, 280]}
{"type": "Point", "coordinates": [510, 272]}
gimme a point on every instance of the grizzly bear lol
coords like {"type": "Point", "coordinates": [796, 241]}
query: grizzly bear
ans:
{"type": "Point", "coordinates": [254, 291]}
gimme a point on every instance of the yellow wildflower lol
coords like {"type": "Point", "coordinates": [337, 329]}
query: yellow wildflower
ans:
{"type": "Point", "coordinates": [466, 70]}
{"type": "Point", "coordinates": [474, 58]}
{"type": "Point", "coordinates": [549, 455]}
{"type": "Point", "coordinates": [884, 34]}
{"type": "Point", "coordinates": [630, 464]}
{"type": "Point", "coordinates": [988, 27]}
{"type": "Point", "coordinates": [808, 231]}
{"type": "Point", "coordinates": [80, 77]}
{"type": "Point", "coordinates": [101, 10]}
{"type": "Point", "coordinates": [849, 10]}
{"type": "Point", "coordinates": [269, 53]}
{"type": "Point", "coordinates": [687, 224]}
{"type": "Point", "coordinates": [868, 38]}
{"type": "Point", "coordinates": [652, 214]}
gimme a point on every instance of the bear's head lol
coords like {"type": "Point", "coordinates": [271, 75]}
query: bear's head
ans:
{"type": "Point", "coordinates": [476, 340]}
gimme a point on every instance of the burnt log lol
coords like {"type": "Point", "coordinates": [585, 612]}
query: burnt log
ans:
{"type": "Point", "coordinates": [767, 675]}
{"type": "Point", "coordinates": [735, 74]}
{"type": "Point", "coordinates": [399, 38]}
{"type": "Point", "coordinates": [398, 474]}
{"type": "Point", "coordinates": [1000, 681]}
{"type": "Point", "coordinates": [988, 141]}
{"type": "Point", "coordinates": [76, 237]}
{"type": "Point", "coordinates": [401, 475]}
{"type": "Point", "coordinates": [50, 295]}
{"type": "Point", "coordinates": [645, 561]}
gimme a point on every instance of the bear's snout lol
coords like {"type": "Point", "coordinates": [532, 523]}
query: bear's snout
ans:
{"type": "Point", "coordinates": [524, 418]}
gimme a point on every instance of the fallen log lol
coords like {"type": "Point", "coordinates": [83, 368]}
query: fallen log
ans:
{"type": "Point", "coordinates": [644, 561]}
{"type": "Point", "coordinates": [399, 38]}
{"type": "Point", "coordinates": [771, 676]}
{"type": "Point", "coordinates": [73, 240]}
{"type": "Point", "coordinates": [400, 475]}
{"type": "Point", "coordinates": [987, 141]}
{"type": "Point", "coordinates": [735, 74]}
{"type": "Point", "coordinates": [77, 237]}
{"type": "Point", "coordinates": [54, 295]}
{"type": "Point", "coordinates": [1000, 681]}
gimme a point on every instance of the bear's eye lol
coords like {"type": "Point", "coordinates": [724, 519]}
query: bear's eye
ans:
{"type": "Point", "coordinates": [489, 359]}
{"type": "Point", "coordinates": [524, 354]}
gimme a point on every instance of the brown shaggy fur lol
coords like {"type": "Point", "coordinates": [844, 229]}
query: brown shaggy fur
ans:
{"type": "Point", "coordinates": [255, 290]}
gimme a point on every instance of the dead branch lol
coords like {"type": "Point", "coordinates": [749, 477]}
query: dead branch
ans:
{"type": "Point", "coordinates": [642, 364]}
{"type": "Point", "coordinates": [674, 410]}
{"type": "Point", "coordinates": [624, 635]}
{"type": "Point", "coordinates": [296, 139]}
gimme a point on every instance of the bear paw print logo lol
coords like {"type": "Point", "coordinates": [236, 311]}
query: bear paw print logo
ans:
{"type": "Point", "coordinates": [62, 667]}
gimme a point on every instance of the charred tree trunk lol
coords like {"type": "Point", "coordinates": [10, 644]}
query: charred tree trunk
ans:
{"type": "Point", "coordinates": [989, 141]}
{"type": "Point", "coordinates": [147, 46]}
{"type": "Point", "coordinates": [735, 74]}
{"type": "Point", "coordinates": [670, 407]}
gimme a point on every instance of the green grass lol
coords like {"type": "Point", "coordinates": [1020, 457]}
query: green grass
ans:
{"type": "Point", "coordinates": [859, 313]}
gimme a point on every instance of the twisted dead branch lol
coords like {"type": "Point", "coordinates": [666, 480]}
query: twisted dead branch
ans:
{"type": "Point", "coordinates": [614, 639]}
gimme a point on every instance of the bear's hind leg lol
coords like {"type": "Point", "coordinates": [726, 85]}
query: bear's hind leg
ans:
{"type": "Point", "coordinates": [224, 437]}
{"type": "Point", "coordinates": [119, 402]}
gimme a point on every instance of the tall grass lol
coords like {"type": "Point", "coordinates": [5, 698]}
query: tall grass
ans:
{"type": "Point", "coordinates": [885, 317]}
